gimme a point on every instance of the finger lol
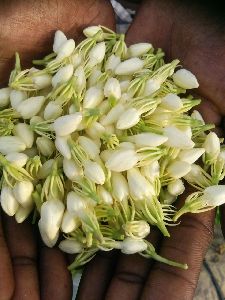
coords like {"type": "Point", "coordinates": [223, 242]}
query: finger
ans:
{"type": "Point", "coordinates": [23, 250]}
{"type": "Point", "coordinates": [55, 279]}
{"type": "Point", "coordinates": [97, 275]}
{"type": "Point", "coordinates": [6, 271]}
{"type": "Point", "coordinates": [188, 244]}
{"type": "Point", "coordinates": [130, 274]}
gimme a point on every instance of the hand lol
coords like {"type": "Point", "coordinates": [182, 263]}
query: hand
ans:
{"type": "Point", "coordinates": [188, 33]}
{"type": "Point", "coordinates": [28, 271]}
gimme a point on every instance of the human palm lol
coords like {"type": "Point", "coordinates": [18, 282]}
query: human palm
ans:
{"type": "Point", "coordinates": [28, 269]}
{"type": "Point", "coordinates": [190, 34]}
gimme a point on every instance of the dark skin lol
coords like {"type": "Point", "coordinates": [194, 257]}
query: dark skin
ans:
{"type": "Point", "coordinates": [30, 272]}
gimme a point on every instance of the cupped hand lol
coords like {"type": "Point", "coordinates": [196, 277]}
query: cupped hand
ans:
{"type": "Point", "coordinates": [28, 270]}
{"type": "Point", "coordinates": [192, 34]}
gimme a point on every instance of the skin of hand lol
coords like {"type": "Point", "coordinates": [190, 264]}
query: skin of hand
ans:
{"type": "Point", "coordinates": [192, 33]}
{"type": "Point", "coordinates": [28, 269]}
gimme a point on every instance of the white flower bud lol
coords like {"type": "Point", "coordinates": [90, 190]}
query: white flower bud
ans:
{"type": "Point", "coordinates": [91, 31]}
{"type": "Point", "coordinates": [129, 66]}
{"type": "Point", "coordinates": [147, 139]}
{"type": "Point", "coordinates": [93, 78]}
{"type": "Point", "coordinates": [72, 170]}
{"type": "Point", "coordinates": [49, 242]}
{"type": "Point", "coordinates": [66, 49]}
{"type": "Point", "coordinates": [45, 169]}
{"type": "Point", "coordinates": [42, 81]}
{"type": "Point", "coordinates": [137, 229]}
{"type": "Point", "coordinates": [31, 152]}
{"type": "Point", "coordinates": [95, 131]}
{"type": "Point", "coordinates": [97, 54]}
{"type": "Point", "coordinates": [51, 217]}
{"type": "Point", "coordinates": [76, 59]}
{"type": "Point", "coordinates": [63, 75]}
{"type": "Point", "coordinates": [191, 155]}
{"type": "Point", "coordinates": [128, 119]}
{"type": "Point", "coordinates": [52, 111]}
{"type": "Point", "coordinates": [178, 169]}
{"type": "Point", "coordinates": [113, 115]}
{"type": "Point", "coordinates": [45, 146]}
{"type": "Point", "coordinates": [151, 171]}
{"type": "Point", "coordinates": [151, 86]}
{"type": "Point", "coordinates": [17, 159]}
{"type": "Point", "coordinates": [69, 222]}
{"type": "Point", "coordinates": [67, 124]}
{"type": "Point", "coordinates": [185, 79]}
{"type": "Point", "coordinates": [122, 160]}
{"type": "Point", "coordinates": [62, 146]}
{"type": "Point", "coordinates": [16, 97]}
{"type": "Point", "coordinates": [59, 40]}
{"type": "Point", "coordinates": [120, 188]}
{"type": "Point", "coordinates": [4, 97]}
{"type": "Point", "coordinates": [93, 97]}
{"type": "Point", "coordinates": [212, 145]}
{"type": "Point", "coordinates": [35, 120]}
{"type": "Point", "coordinates": [89, 146]}
{"type": "Point", "coordinates": [139, 187]}
{"type": "Point", "coordinates": [132, 246]}
{"type": "Point", "coordinates": [76, 204]}
{"type": "Point", "coordinates": [24, 132]}
{"type": "Point", "coordinates": [112, 62]}
{"type": "Point", "coordinates": [127, 145]}
{"type": "Point", "coordinates": [22, 191]}
{"type": "Point", "coordinates": [139, 49]}
{"type": "Point", "coordinates": [112, 88]}
{"type": "Point", "coordinates": [177, 138]}
{"type": "Point", "coordinates": [94, 172]}
{"type": "Point", "coordinates": [197, 116]}
{"type": "Point", "coordinates": [104, 195]}
{"type": "Point", "coordinates": [80, 83]}
{"type": "Point", "coordinates": [8, 201]}
{"type": "Point", "coordinates": [171, 102]}
{"type": "Point", "coordinates": [22, 213]}
{"type": "Point", "coordinates": [214, 195]}
{"type": "Point", "coordinates": [30, 107]}
{"type": "Point", "coordinates": [10, 144]}
{"type": "Point", "coordinates": [70, 246]}
{"type": "Point", "coordinates": [105, 154]}
{"type": "Point", "coordinates": [176, 187]}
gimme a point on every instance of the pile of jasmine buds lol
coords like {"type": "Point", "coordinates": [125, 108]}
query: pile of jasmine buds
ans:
{"type": "Point", "coordinates": [97, 142]}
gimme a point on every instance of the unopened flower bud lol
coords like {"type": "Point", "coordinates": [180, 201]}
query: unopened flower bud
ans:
{"type": "Point", "coordinates": [89, 146]}
{"type": "Point", "coordinates": [178, 169]}
{"type": "Point", "coordinates": [59, 40]}
{"type": "Point", "coordinates": [93, 97]}
{"type": "Point", "coordinates": [172, 102]}
{"type": "Point", "coordinates": [120, 188]}
{"type": "Point", "coordinates": [24, 132]}
{"type": "Point", "coordinates": [67, 124]}
{"type": "Point", "coordinates": [212, 145]}
{"type": "Point", "coordinates": [151, 171]}
{"type": "Point", "coordinates": [10, 144]}
{"type": "Point", "coordinates": [176, 187]}
{"type": "Point", "coordinates": [69, 222]}
{"type": "Point", "coordinates": [70, 246]}
{"type": "Point", "coordinates": [45, 146]}
{"type": "Point", "coordinates": [113, 115]}
{"type": "Point", "coordinates": [52, 111]}
{"type": "Point", "coordinates": [112, 62]}
{"type": "Point", "coordinates": [23, 191]}
{"type": "Point", "coordinates": [132, 246]}
{"type": "Point", "coordinates": [62, 146]}
{"type": "Point", "coordinates": [30, 107]}
{"type": "Point", "coordinates": [42, 81]}
{"type": "Point", "coordinates": [129, 66]}
{"type": "Point", "coordinates": [147, 139]}
{"type": "Point", "coordinates": [63, 75]}
{"type": "Point", "coordinates": [97, 54]}
{"type": "Point", "coordinates": [16, 97]}
{"type": "Point", "coordinates": [214, 195]}
{"type": "Point", "coordinates": [94, 172]}
{"type": "Point", "coordinates": [137, 229]}
{"type": "Point", "coordinates": [4, 97]}
{"type": "Point", "coordinates": [151, 86]}
{"type": "Point", "coordinates": [122, 160]}
{"type": "Point", "coordinates": [72, 170]}
{"type": "Point", "coordinates": [8, 201]}
{"type": "Point", "coordinates": [17, 159]}
{"type": "Point", "coordinates": [128, 119]}
{"type": "Point", "coordinates": [191, 155]}
{"type": "Point", "coordinates": [177, 138]}
{"type": "Point", "coordinates": [185, 79]}
{"type": "Point", "coordinates": [104, 195]}
{"type": "Point", "coordinates": [66, 49]}
{"type": "Point", "coordinates": [22, 213]}
{"type": "Point", "coordinates": [139, 49]}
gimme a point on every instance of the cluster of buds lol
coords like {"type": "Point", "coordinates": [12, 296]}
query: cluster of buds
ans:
{"type": "Point", "coordinates": [99, 143]}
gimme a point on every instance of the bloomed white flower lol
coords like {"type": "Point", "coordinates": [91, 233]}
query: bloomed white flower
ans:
{"type": "Point", "coordinates": [67, 124]}
{"type": "Point", "coordinates": [129, 66]}
{"type": "Point", "coordinates": [70, 246]}
{"type": "Point", "coordinates": [8, 202]}
{"type": "Point", "coordinates": [185, 79]}
{"type": "Point", "coordinates": [93, 97]}
{"type": "Point", "coordinates": [10, 144]}
{"type": "Point", "coordinates": [139, 49]}
{"type": "Point", "coordinates": [132, 246]}
{"type": "Point", "coordinates": [122, 160]}
{"type": "Point", "coordinates": [30, 107]}
{"type": "Point", "coordinates": [24, 132]}
{"type": "Point", "coordinates": [22, 192]}
{"type": "Point", "coordinates": [4, 97]}
{"type": "Point", "coordinates": [214, 195]}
